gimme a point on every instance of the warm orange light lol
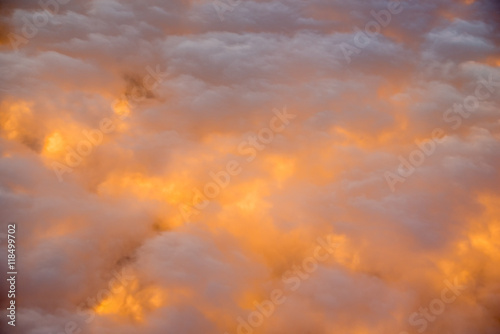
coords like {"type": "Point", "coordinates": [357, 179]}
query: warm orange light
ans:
{"type": "Point", "coordinates": [54, 143]}
{"type": "Point", "coordinates": [121, 108]}
{"type": "Point", "coordinates": [281, 167]}
{"type": "Point", "coordinates": [12, 120]}
{"type": "Point", "coordinates": [131, 301]}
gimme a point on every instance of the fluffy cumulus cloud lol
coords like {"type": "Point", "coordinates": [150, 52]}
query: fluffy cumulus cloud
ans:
{"type": "Point", "coordinates": [251, 166]}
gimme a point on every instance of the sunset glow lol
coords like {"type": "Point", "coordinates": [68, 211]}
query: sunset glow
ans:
{"type": "Point", "coordinates": [250, 166]}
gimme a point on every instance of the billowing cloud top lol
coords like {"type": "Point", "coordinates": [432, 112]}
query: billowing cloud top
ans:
{"type": "Point", "coordinates": [251, 166]}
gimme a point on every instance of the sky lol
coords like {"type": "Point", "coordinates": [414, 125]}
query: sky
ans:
{"type": "Point", "coordinates": [251, 166]}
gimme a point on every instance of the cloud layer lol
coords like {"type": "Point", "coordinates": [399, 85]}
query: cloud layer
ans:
{"type": "Point", "coordinates": [116, 115]}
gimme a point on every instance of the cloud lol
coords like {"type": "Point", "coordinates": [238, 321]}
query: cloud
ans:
{"type": "Point", "coordinates": [184, 90]}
